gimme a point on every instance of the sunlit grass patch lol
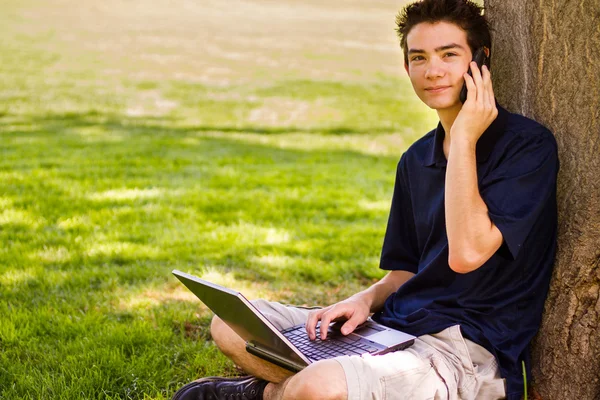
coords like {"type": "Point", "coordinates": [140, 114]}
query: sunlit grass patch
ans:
{"type": "Point", "coordinates": [126, 194]}
{"type": "Point", "coordinates": [152, 103]}
{"type": "Point", "coordinates": [381, 205]}
{"type": "Point", "coordinates": [52, 255]}
{"type": "Point", "coordinates": [252, 290]}
{"type": "Point", "coordinates": [16, 217]}
{"type": "Point", "coordinates": [13, 276]}
{"type": "Point", "coordinates": [95, 134]}
{"type": "Point", "coordinates": [282, 111]}
{"type": "Point", "coordinates": [5, 202]}
{"type": "Point", "coordinates": [122, 250]}
{"type": "Point", "coordinates": [244, 232]}
{"type": "Point", "coordinates": [142, 300]}
{"type": "Point", "coordinates": [274, 261]}
{"type": "Point", "coordinates": [11, 177]}
{"type": "Point", "coordinates": [74, 222]}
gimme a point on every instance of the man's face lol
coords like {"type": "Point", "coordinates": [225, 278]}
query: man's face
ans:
{"type": "Point", "coordinates": [438, 56]}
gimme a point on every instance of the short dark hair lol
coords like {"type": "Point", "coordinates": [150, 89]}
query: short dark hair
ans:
{"type": "Point", "coordinates": [463, 13]}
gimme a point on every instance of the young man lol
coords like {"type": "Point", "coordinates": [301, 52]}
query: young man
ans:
{"type": "Point", "coordinates": [469, 244]}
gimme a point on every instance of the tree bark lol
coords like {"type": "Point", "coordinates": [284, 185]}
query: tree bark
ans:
{"type": "Point", "coordinates": [546, 65]}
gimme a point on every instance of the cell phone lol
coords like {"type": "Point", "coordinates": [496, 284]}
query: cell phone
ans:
{"type": "Point", "coordinates": [481, 59]}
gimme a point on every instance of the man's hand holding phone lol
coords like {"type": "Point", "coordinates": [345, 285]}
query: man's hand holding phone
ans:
{"type": "Point", "coordinates": [479, 110]}
{"type": "Point", "coordinates": [354, 311]}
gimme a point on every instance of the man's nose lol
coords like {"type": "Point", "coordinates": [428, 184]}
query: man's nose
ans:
{"type": "Point", "coordinates": [434, 69]}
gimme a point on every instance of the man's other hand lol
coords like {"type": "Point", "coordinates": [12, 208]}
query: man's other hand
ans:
{"type": "Point", "coordinates": [479, 110]}
{"type": "Point", "coordinates": [353, 310]}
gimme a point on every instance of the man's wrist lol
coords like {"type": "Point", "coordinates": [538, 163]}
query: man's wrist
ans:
{"type": "Point", "coordinates": [463, 142]}
{"type": "Point", "coordinates": [364, 297]}
{"type": "Point", "coordinates": [375, 296]}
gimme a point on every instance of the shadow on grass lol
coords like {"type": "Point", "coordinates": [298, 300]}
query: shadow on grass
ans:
{"type": "Point", "coordinates": [149, 153]}
{"type": "Point", "coordinates": [150, 124]}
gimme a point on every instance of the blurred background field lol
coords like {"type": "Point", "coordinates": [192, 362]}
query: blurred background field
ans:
{"type": "Point", "coordinates": [253, 143]}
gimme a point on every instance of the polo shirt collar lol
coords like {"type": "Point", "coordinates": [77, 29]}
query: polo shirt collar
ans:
{"type": "Point", "coordinates": [485, 144]}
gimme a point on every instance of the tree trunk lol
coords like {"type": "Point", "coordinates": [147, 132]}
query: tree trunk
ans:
{"type": "Point", "coordinates": [546, 65]}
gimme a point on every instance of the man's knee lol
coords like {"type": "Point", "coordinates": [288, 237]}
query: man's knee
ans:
{"type": "Point", "coordinates": [224, 337]}
{"type": "Point", "coordinates": [324, 380]}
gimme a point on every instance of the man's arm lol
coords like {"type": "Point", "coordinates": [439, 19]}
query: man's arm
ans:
{"type": "Point", "coordinates": [472, 236]}
{"type": "Point", "coordinates": [356, 309]}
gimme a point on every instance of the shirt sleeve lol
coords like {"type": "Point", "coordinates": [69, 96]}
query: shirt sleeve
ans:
{"type": "Point", "coordinates": [517, 191]}
{"type": "Point", "coordinates": [399, 250]}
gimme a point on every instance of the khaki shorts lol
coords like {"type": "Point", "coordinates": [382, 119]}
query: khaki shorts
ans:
{"type": "Point", "coordinates": [439, 366]}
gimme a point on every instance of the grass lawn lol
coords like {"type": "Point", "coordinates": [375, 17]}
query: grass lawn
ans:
{"type": "Point", "coordinates": [253, 143]}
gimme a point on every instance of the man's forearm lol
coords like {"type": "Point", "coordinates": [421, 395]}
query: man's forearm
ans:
{"type": "Point", "coordinates": [376, 295]}
{"type": "Point", "coordinates": [472, 237]}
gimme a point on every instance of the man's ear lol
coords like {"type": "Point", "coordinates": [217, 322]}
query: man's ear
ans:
{"type": "Point", "coordinates": [406, 68]}
{"type": "Point", "coordinates": [486, 51]}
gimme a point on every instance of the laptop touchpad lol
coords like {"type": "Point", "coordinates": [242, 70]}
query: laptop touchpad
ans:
{"type": "Point", "coordinates": [387, 338]}
{"type": "Point", "coordinates": [365, 331]}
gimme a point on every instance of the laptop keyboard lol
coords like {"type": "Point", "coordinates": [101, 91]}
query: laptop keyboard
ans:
{"type": "Point", "coordinates": [331, 347]}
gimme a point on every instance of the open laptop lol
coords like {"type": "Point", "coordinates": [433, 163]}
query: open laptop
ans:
{"type": "Point", "coordinates": [290, 348]}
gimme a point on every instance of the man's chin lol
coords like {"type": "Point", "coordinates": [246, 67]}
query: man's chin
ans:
{"type": "Point", "coordinates": [443, 105]}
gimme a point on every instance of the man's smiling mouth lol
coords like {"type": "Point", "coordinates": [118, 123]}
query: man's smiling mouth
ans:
{"type": "Point", "coordinates": [436, 89]}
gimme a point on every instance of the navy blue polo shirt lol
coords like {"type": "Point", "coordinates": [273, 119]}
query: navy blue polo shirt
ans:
{"type": "Point", "coordinates": [499, 305]}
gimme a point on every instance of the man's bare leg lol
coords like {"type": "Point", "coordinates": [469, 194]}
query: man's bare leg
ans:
{"type": "Point", "coordinates": [322, 380]}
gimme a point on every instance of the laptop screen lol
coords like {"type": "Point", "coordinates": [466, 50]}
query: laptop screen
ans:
{"type": "Point", "coordinates": [239, 314]}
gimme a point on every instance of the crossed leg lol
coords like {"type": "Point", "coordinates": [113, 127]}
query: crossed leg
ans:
{"type": "Point", "coordinates": [321, 380]}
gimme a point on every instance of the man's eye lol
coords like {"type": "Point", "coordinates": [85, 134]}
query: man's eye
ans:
{"type": "Point", "coordinates": [449, 54]}
{"type": "Point", "coordinates": [416, 58]}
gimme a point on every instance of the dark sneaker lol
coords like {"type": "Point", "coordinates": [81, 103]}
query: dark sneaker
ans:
{"type": "Point", "coordinates": [217, 388]}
